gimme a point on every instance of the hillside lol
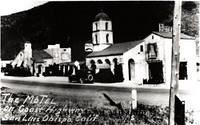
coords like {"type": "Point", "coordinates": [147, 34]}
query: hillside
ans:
{"type": "Point", "coordinates": [69, 23]}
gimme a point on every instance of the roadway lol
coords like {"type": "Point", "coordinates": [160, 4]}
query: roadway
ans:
{"type": "Point", "coordinates": [147, 94]}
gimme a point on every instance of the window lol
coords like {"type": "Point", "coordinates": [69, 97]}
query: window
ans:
{"type": "Point", "coordinates": [141, 48]}
{"type": "Point", "coordinates": [152, 36]}
{"type": "Point", "coordinates": [107, 38]}
{"type": "Point", "coordinates": [106, 24]}
{"type": "Point", "coordinates": [183, 71]}
{"type": "Point", "coordinates": [96, 38]}
{"type": "Point", "coordinates": [198, 67]}
{"type": "Point", "coordinates": [96, 26]}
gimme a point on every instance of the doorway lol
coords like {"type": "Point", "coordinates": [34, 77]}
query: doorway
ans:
{"type": "Point", "coordinates": [155, 72]}
{"type": "Point", "coordinates": [131, 69]}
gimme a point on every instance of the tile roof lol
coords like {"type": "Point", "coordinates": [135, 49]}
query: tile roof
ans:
{"type": "Point", "coordinates": [169, 35]}
{"type": "Point", "coordinates": [40, 55]}
{"type": "Point", "coordinates": [115, 49]}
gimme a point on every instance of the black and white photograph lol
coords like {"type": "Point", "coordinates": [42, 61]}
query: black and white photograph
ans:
{"type": "Point", "coordinates": [100, 62]}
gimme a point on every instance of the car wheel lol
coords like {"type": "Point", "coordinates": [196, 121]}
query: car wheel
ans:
{"type": "Point", "coordinates": [90, 78]}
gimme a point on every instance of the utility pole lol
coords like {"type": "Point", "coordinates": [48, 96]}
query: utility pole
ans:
{"type": "Point", "coordinates": [175, 60]}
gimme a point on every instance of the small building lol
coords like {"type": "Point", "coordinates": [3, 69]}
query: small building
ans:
{"type": "Point", "coordinates": [41, 59]}
{"type": "Point", "coordinates": [158, 48]}
{"type": "Point", "coordinates": [60, 55]}
{"type": "Point", "coordinates": [37, 60]}
{"type": "Point", "coordinates": [145, 61]}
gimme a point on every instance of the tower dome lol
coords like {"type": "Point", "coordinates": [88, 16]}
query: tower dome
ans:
{"type": "Point", "coordinates": [102, 16]}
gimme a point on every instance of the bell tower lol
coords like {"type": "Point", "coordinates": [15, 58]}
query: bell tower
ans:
{"type": "Point", "coordinates": [102, 35]}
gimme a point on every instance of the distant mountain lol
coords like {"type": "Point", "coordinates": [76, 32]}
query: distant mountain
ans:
{"type": "Point", "coordinates": [70, 24]}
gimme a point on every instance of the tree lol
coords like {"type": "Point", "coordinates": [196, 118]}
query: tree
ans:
{"type": "Point", "coordinates": [190, 18]}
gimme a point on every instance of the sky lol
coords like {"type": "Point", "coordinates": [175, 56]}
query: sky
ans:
{"type": "Point", "coordinates": [12, 6]}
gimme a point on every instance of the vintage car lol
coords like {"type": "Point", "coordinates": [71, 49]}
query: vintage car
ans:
{"type": "Point", "coordinates": [16, 71]}
{"type": "Point", "coordinates": [81, 75]}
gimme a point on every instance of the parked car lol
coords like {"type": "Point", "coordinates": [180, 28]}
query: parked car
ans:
{"type": "Point", "coordinates": [16, 71]}
{"type": "Point", "coordinates": [82, 75]}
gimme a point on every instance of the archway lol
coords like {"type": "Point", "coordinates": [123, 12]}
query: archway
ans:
{"type": "Point", "coordinates": [131, 69]}
{"type": "Point", "coordinates": [107, 61]}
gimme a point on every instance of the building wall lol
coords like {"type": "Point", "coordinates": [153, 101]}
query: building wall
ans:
{"type": "Point", "coordinates": [187, 54]}
{"type": "Point", "coordinates": [118, 57]}
{"type": "Point", "coordinates": [167, 55]}
{"type": "Point", "coordinates": [59, 55]}
{"type": "Point", "coordinates": [163, 48]}
{"type": "Point", "coordinates": [164, 54]}
{"type": "Point", "coordinates": [136, 55]}
{"type": "Point", "coordinates": [140, 66]}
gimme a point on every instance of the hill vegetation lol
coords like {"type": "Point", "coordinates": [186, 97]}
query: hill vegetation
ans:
{"type": "Point", "coordinates": [69, 23]}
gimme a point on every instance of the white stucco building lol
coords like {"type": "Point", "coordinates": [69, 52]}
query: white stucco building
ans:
{"type": "Point", "coordinates": [163, 44]}
{"type": "Point", "coordinates": [145, 61]}
{"type": "Point", "coordinates": [37, 60]}
{"type": "Point", "coordinates": [60, 55]}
